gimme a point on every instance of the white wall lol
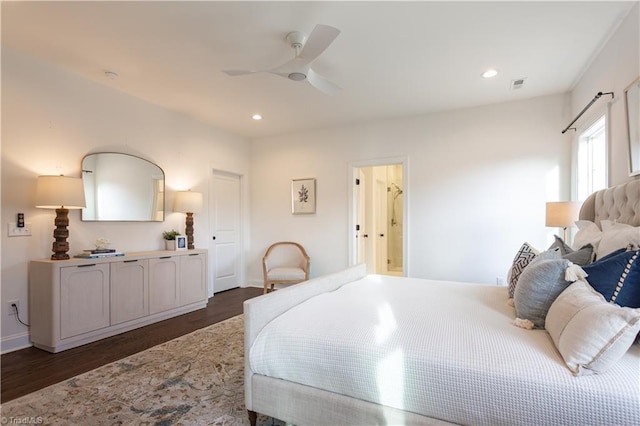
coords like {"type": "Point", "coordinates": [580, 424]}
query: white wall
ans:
{"type": "Point", "coordinates": [50, 120]}
{"type": "Point", "coordinates": [478, 180]}
{"type": "Point", "coordinates": [613, 69]}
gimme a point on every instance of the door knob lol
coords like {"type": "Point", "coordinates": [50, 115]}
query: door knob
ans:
{"type": "Point", "coordinates": [214, 237]}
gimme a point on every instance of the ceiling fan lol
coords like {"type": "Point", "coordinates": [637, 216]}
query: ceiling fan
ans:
{"type": "Point", "coordinates": [307, 50]}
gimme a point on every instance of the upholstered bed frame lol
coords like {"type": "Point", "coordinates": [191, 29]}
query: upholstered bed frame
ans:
{"type": "Point", "coordinates": [299, 404]}
{"type": "Point", "coordinates": [620, 203]}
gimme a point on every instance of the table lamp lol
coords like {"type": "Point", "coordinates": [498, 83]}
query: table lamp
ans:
{"type": "Point", "coordinates": [188, 202]}
{"type": "Point", "coordinates": [562, 214]}
{"type": "Point", "coordinates": [60, 193]}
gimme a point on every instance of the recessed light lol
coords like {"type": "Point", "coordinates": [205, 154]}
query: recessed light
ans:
{"type": "Point", "coordinates": [256, 117]}
{"type": "Point", "coordinates": [490, 73]}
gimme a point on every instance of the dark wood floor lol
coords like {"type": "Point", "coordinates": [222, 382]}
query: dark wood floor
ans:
{"type": "Point", "coordinates": [30, 369]}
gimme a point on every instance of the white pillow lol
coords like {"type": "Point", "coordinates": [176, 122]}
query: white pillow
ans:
{"type": "Point", "coordinates": [588, 233]}
{"type": "Point", "coordinates": [590, 333]}
{"type": "Point", "coordinates": [616, 236]}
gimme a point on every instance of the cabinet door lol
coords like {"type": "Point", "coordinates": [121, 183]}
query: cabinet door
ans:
{"type": "Point", "coordinates": [84, 299]}
{"type": "Point", "coordinates": [193, 283]}
{"type": "Point", "coordinates": [129, 290]}
{"type": "Point", "coordinates": [163, 283]}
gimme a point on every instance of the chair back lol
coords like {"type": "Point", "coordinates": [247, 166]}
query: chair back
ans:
{"type": "Point", "coordinates": [286, 254]}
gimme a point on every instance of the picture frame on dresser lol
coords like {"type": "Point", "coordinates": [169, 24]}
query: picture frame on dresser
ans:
{"type": "Point", "coordinates": [632, 111]}
{"type": "Point", "coordinates": [181, 242]}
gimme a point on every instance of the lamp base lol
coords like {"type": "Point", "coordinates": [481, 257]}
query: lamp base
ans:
{"type": "Point", "coordinates": [189, 231]}
{"type": "Point", "coordinates": [60, 234]}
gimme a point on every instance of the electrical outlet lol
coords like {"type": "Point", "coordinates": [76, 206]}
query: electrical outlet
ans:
{"type": "Point", "coordinates": [10, 309]}
{"type": "Point", "coordinates": [499, 280]}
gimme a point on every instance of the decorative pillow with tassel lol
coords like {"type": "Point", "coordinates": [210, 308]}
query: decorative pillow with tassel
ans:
{"type": "Point", "coordinates": [538, 286]}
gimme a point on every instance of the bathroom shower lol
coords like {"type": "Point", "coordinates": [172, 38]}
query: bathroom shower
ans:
{"type": "Point", "coordinates": [396, 191]}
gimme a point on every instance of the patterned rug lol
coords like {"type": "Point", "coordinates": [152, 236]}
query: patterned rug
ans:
{"type": "Point", "coordinates": [196, 379]}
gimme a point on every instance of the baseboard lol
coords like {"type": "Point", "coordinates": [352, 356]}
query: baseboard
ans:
{"type": "Point", "coordinates": [15, 343]}
{"type": "Point", "coordinates": [255, 283]}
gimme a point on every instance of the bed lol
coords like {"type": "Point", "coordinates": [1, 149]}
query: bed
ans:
{"type": "Point", "coordinates": [357, 349]}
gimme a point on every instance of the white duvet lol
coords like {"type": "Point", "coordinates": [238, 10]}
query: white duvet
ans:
{"type": "Point", "coordinates": [443, 350]}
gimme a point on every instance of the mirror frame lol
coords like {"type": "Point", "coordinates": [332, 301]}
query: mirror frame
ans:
{"type": "Point", "coordinates": [632, 112]}
{"type": "Point", "coordinates": [161, 191]}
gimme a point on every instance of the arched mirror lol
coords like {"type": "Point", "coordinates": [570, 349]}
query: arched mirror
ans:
{"type": "Point", "coordinates": [122, 187]}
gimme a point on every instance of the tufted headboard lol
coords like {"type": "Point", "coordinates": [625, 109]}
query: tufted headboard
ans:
{"type": "Point", "coordinates": [620, 203]}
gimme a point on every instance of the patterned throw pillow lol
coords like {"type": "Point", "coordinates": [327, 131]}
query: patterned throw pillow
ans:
{"type": "Point", "coordinates": [523, 257]}
{"type": "Point", "coordinates": [617, 277]}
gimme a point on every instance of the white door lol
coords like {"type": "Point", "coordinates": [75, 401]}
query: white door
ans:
{"type": "Point", "coordinates": [380, 212]}
{"type": "Point", "coordinates": [224, 255]}
{"type": "Point", "coordinates": [361, 225]}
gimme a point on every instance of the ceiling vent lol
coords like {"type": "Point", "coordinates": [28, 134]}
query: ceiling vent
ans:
{"type": "Point", "coordinates": [517, 83]}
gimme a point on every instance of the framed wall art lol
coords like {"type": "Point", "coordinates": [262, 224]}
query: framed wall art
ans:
{"type": "Point", "coordinates": [303, 196]}
{"type": "Point", "coordinates": [632, 107]}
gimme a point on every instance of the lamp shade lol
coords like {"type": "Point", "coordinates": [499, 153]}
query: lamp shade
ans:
{"type": "Point", "coordinates": [562, 214]}
{"type": "Point", "coordinates": [188, 202]}
{"type": "Point", "coordinates": [54, 192]}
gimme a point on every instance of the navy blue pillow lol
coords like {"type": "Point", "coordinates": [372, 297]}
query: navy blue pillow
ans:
{"type": "Point", "coordinates": [617, 277]}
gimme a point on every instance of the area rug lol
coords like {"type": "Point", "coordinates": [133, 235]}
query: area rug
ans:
{"type": "Point", "coordinates": [196, 379]}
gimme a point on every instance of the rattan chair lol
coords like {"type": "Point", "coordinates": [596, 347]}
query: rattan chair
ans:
{"type": "Point", "coordinates": [285, 262]}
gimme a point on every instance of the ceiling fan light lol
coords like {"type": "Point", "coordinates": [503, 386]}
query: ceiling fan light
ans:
{"type": "Point", "coordinates": [297, 76]}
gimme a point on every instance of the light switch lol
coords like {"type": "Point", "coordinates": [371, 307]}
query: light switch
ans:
{"type": "Point", "coordinates": [15, 231]}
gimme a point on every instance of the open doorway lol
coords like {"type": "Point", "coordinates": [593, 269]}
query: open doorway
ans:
{"type": "Point", "coordinates": [378, 232]}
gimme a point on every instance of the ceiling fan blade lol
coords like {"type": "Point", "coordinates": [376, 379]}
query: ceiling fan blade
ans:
{"type": "Point", "coordinates": [319, 39]}
{"type": "Point", "coordinates": [234, 73]}
{"type": "Point", "coordinates": [321, 83]}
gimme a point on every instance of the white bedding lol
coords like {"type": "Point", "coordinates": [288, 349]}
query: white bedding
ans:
{"type": "Point", "coordinates": [380, 339]}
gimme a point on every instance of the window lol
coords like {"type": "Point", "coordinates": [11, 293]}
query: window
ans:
{"type": "Point", "coordinates": [591, 165]}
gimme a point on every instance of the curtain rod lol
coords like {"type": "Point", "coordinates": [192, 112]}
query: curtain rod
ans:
{"type": "Point", "coordinates": [595, 98]}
